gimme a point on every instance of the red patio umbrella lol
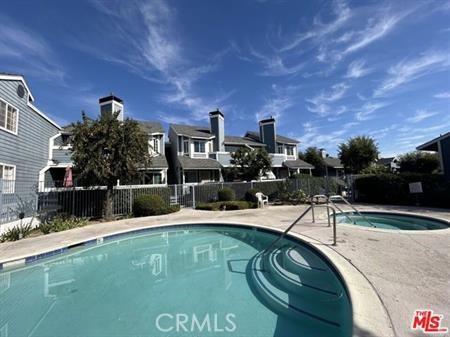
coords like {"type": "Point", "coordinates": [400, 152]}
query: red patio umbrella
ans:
{"type": "Point", "coordinates": [68, 178]}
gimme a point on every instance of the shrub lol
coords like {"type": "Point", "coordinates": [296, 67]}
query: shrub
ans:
{"type": "Point", "coordinates": [61, 223]}
{"type": "Point", "coordinates": [16, 233]}
{"type": "Point", "coordinates": [250, 195]}
{"type": "Point", "coordinates": [394, 189]}
{"type": "Point", "coordinates": [147, 204]}
{"type": "Point", "coordinates": [226, 194]}
{"type": "Point", "coordinates": [225, 205]}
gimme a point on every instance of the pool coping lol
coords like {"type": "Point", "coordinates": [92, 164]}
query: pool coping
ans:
{"type": "Point", "coordinates": [368, 312]}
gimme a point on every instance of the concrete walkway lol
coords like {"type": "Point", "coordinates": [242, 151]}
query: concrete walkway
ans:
{"type": "Point", "coordinates": [408, 270]}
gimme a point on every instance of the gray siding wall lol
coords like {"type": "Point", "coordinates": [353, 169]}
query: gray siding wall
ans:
{"type": "Point", "coordinates": [28, 150]}
{"type": "Point", "coordinates": [62, 155]}
{"type": "Point", "coordinates": [445, 148]}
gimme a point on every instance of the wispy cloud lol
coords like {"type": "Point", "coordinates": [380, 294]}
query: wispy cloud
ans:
{"type": "Point", "coordinates": [409, 70]}
{"type": "Point", "coordinates": [281, 100]}
{"type": "Point", "coordinates": [274, 65]}
{"type": "Point", "coordinates": [342, 14]}
{"type": "Point", "coordinates": [148, 32]}
{"type": "Point", "coordinates": [420, 115]}
{"type": "Point", "coordinates": [320, 103]}
{"type": "Point", "coordinates": [368, 109]}
{"type": "Point", "coordinates": [28, 52]}
{"type": "Point", "coordinates": [356, 69]}
{"type": "Point", "coordinates": [444, 94]}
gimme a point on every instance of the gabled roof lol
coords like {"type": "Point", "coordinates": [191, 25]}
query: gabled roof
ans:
{"type": "Point", "coordinates": [432, 144]}
{"type": "Point", "coordinates": [151, 127]}
{"type": "Point", "coordinates": [279, 138]}
{"type": "Point", "coordinates": [158, 162]}
{"type": "Point", "coordinates": [188, 163]}
{"type": "Point", "coordinates": [385, 161]}
{"type": "Point", "coordinates": [236, 140]}
{"type": "Point", "coordinates": [17, 77]}
{"type": "Point", "coordinates": [192, 131]}
{"type": "Point", "coordinates": [333, 162]}
{"type": "Point", "coordinates": [298, 163]}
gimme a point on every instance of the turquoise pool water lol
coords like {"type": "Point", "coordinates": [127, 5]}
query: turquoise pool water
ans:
{"type": "Point", "coordinates": [213, 278]}
{"type": "Point", "coordinates": [392, 221]}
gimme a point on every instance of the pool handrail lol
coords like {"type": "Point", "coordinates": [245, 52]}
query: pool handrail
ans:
{"type": "Point", "coordinates": [340, 197]}
{"type": "Point", "coordinates": [298, 219]}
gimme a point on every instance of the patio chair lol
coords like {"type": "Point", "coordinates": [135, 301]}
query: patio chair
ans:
{"type": "Point", "coordinates": [262, 199]}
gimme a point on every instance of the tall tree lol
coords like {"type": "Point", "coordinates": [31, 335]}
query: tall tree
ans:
{"type": "Point", "coordinates": [419, 162]}
{"type": "Point", "coordinates": [313, 156]}
{"type": "Point", "coordinates": [106, 150]}
{"type": "Point", "coordinates": [251, 164]}
{"type": "Point", "coordinates": [358, 153]}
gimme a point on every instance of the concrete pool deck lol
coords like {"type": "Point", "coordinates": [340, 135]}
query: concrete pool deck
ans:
{"type": "Point", "coordinates": [406, 270]}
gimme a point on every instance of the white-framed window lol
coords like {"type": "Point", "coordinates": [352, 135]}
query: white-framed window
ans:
{"type": "Point", "coordinates": [8, 176]}
{"type": "Point", "coordinates": [153, 146]}
{"type": "Point", "coordinates": [199, 147]}
{"type": "Point", "coordinates": [9, 116]}
{"type": "Point", "coordinates": [290, 150]}
{"type": "Point", "coordinates": [186, 147]}
{"type": "Point", "coordinates": [280, 149]}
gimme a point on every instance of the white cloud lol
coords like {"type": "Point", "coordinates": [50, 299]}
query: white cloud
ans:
{"type": "Point", "coordinates": [320, 103]}
{"type": "Point", "coordinates": [409, 70]}
{"type": "Point", "coordinates": [375, 29]}
{"type": "Point", "coordinates": [356, 69]}
{"type": "Point", "coordinates": [367, 110]}
{"type": "Point", "coordinates": [281, 100]}
{"type": "Point", "coordinates": [154, 51]}
{"type": "Point", "coordinates": [420, 115]}
{"type": "Point", "coordinates": [28, 52]}
{"type": "Point", "coordinates": [444, 94]}
{"type": "Point", "coordinates": [275, 66]}
{"type": "Point", "coordinates": [342, 14]}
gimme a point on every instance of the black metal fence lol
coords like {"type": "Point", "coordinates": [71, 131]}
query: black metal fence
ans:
{"type": "Point", "coordinates": [29, 199]}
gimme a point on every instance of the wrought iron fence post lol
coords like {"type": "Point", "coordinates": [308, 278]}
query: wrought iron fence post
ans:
{"type": "Point", "coordinates": [131, 201]}
{"type": "Point", "coordinates": [193, 196]}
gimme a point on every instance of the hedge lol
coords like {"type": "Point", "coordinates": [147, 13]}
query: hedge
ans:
{"type": "Point", "coordinates": [394, 189]}
{"type": "Point", "coordinates": [226, 194]}
{"type": "Point", "coordinates": [225, 205]}
{"type": "Point", "coordinates": [147, 204]}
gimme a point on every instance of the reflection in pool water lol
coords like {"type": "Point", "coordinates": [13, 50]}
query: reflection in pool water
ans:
{"type": "Point", "coordinates": [120, 287]}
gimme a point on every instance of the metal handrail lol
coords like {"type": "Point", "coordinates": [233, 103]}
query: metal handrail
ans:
{"type": "Point", "coordinates": [349, 204]}
{"type": "Point", "coordinates": [298, 219]}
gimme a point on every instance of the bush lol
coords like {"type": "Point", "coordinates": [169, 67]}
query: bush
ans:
{"type": "Point", "coordinates": [225, 205]}
{"type": "Point", "coordinates": [16, 233]}
{"type": "Point", "coordinates": [61, 223]}
{"type": "Point", "coordinates": [226, 194]}
{"type": "Point", "coordinates": [250, 195]}
{"type": "Point", "coordinates": [147, 204]}
{"type": "Point", "coordinates": [394, 189]}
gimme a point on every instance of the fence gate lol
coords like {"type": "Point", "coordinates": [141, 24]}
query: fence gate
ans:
{"type": "Point", "coordinates": [182, 195]}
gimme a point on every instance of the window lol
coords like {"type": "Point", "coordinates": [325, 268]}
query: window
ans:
{"type": "Point", "coordinates": [186, 147]}
{"type": "Point", "coordinates": [8, 176]}
{"type": "Point", "coordinates": [280, 149]}
{"type": "Point", "coordinates": [8, 117]}
{"type": "Point", "coordinates": [290, 150]}
{"type": "Point", "coordinates": [153, 146]}
{"type": "Point", "coordinates": [199, 147]}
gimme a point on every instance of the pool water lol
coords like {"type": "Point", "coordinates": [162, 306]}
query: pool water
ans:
{"type": "Point", "coordinates": [392, 221]}
{"type": "Point", "coordinates": [213, 280]}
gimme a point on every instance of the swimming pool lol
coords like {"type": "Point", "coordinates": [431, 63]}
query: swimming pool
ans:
{"type": "Point", "coordinates": [392, 221]}
{"type": "Point", "coordinates": [178, 281]}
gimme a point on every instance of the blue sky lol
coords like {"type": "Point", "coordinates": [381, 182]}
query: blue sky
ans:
{"type": "Point", "coordinates": [326, 70]}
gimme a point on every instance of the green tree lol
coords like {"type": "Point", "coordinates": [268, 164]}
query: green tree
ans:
{"type": "Point", "coordinates": [419, 162]}
{"type": "Point", "coordinates": [251, 164]}
{"type": "Point", "coordinates": [358, 153]}
{"type": "Point", "coordinates": [106, 150]}
{"type": "Point", "coordinates": [313, 156]}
